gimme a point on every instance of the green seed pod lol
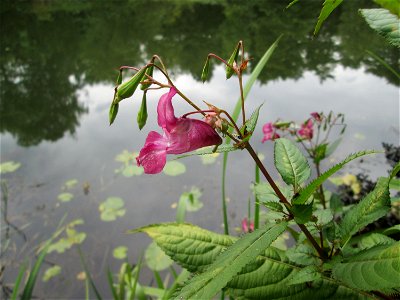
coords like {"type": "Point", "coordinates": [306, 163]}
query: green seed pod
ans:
{"type": "Point", "coordinates": [113, 112]}
{"type": "Point", "coordinates": [206, 69]}
{"type": "Point", "coordinates": [126, 89]}
{"type": "Point", "coordinates": [149, 72]}
{"type": "Point", "coordinates": [119, 78]}
{"type": "Point", "coordinates": [142, 114]}
{"type": "Point", "coordinates": [232, 59]}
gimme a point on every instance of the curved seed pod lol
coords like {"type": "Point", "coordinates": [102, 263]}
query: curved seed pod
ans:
{"type": "Point", "coordinates": [149, 72]}
{"type": "Point", "coordinates": [142, 114]}
{"type": "Point", "coordinates": [128, 88]}
{"type": "Point", "coordinates": [231, 61]}
{"type": "Point", "coordinates": [206, 69]}
{"type": "Point", "coordinates": [113, 112]}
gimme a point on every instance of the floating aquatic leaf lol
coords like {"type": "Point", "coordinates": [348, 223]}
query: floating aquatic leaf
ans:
{"type": "Point", "coordinates": [72, 237]}
{"type": "Point", "coordinates": [69, 184]}
{"type": "Point", "coordinates": [65, 197]}
{"type": "Point", "coordinates": [120, 252]}
{"type": "Point", "coordinates": [209, 159]}
{"type": "Point", "coordinates": [9, 166]}
{"type": "Point", "coordinates": [174, 168]}
{"type": "Point", "coordinates": [51, 272]}
{"type": "Point", "coordinates": [192, 199]}
{"type": "Point", "coordinates": [132, 170]}
{"type": "Point", "coordinates": [112, 208]}
{"type": "Point", "coordinates": [156, 259]}
{"type": "Point", "coordinates": [126, 157]}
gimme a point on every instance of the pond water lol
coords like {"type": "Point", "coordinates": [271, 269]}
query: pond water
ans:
{"type": "Point", "coordinates": [59, 62]}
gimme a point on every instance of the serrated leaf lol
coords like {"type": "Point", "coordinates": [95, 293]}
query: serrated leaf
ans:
{"type": "Point", "coordinates": [265, 278]}
{"type": "Point", "coordinates": [275, 206]}
{"type": "Point", "coordinates": [324, 216]}
{"type": "Point", "coordinates": [210, 150]}
{"type": "Point", "coordinates": [375, 239]}
{"type": "Point", "coordinates": [328, 7]}
{"type": "Point", "coordinates": [313, 186]}
{"type": "Point", "coordinates": [374, 269]}
{"type": "Point", "coordinates": [374, 206]}
{"type": "Point", "coordinates": [307, 274]}
{"type": "Point", "coordinates": [266, 193]}
{"type": "Point", "coordinates": [383, 22]}
{"type": "Point", "coordinates": [230, 263]}
{"type": "Point", "coordinates": [252, 122]}
{"type": "Point", "coordinates": [392, 5]}
{"type": "Point", "coordinates": [156, 259]}
{"type": "Point", "coordinates": [302, 255]}
{"type": "Point", "coordinates": [302, 212]}
{"type": "Point", "coordinates": [290, 162]}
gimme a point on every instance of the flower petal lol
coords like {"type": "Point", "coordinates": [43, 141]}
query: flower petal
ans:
{"type": "Point", "coordinates": [165, 111]}
{"type": "Point", "coordinates": [153, 155]}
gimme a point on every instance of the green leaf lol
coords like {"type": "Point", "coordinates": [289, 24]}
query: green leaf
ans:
{"type": "Point", "coordinates": [302, 255]}
{"type": "Point", "coordinates": [208, 159]}
{"type": "Point", "coordinates": [206, 70]}
{"type": "Point", "coordinates": [275, 206]}
{"type": "Point", "coordinates": [174, 168]}
{"type": "Point", "coordinates": [383, 22]}
{"type": "Point", "coordinates": [395, 170]}
{"type": "Point", "coordinates": [291, 4]}
{"type": "Point", "coordinates": [120, 252]}
{"type": "Point", "coordinates": [69, 184]}
{"type": "Point", "coordinates": [313, 186]}
{"type": "Point", "coordinates": [302, 212]}
{"type": "Point", "coordinates": [65, 197]}
{"type": "Point", "coordinates": [112, 114]}
{"type": "Point", "coordinates": [392, 230]}
{"type": "Point", "coordinates": [51, 272]}
{"type": "Point", "coordinates": [142, 114]}
{"type": "Point", "coordinates": [9, 167]}
{"type": "Point", "coordinates": [307, 274]}
{"type": "Point", "coordinates": [328, 7]}
{"type": "Point", "coordinates": [376, 268]}
{"type": "Point", "coordinates": [126, 157]}
{"type": "Point", "coordinates": [320, 153]}
{"type": "Point", "coordinates": [394, 184]}
{"type": "Point", "coordinates": [374, 239]}
{"type": "Point", "coordinates": [324, 216]}
{"type": "Point", "coordinates": [229, 71]}
{"type": "Point", "coordinates": [149, 72]}
{"type": "Point", "coordinates": [332, 147]}
{"type": "Point", "coordinates": [252, 122]}
{"type": "Point", "coordinates": [392, 5]}
{"type": "Point", "coordinates": [291, 163]}
{"type": "Point", "coordinates": [206, 285]}
{"type": "Point", "coordinates": [132, 170]}
{"type": "Point", "coordinates": [156, 259]}
{"type": "Point", "coordinates": [264, 278]}
{"type": "Point", "coordinates": [128, 88]}
{"type": "Point", "coordinates": [210, 150]}
{"type": "Point", "coordinates": [266, 193]}
{"type": "Point", "coordinates": [112, 208]}
{"type": "Point", "coordinates": [374, 206]}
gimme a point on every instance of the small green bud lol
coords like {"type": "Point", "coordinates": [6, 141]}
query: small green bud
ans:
{"type": "Point", "coordinates": [149, 72]}
{"type": "Point", "coordinates": [128, 88]}
{"type": "Point", "coordinates": [206, 69]}
{"type": "Point", "coordinates": [113, 112]}
{"type": "Point", "coordinates": [119, 78]}
{"type": "Point", "coordinates": [142, 114]}
{"type": "Point", "coordinates": [232, 59]}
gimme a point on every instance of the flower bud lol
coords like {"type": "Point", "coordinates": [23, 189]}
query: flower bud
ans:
{"type": "Point", "coordinates": [128, 88]}
{"type": "Point", "coordinates": [142, 114]}
{"type": "Point", "coordinates": [206, 69]}
{"type": "Point", "coordinates": [232, 60]}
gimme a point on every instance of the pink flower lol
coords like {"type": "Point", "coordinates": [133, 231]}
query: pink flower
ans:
{"type": "Point", "coordinates": [247, 226]}
{"type": "Point", "coordinates": [306, 130]}
{"type": "Point", "coordinates": [316, 116]}
{"type": "Point", "coordinates": [180, 135]}
{"type": "Point", "coordinates": [269, 132]}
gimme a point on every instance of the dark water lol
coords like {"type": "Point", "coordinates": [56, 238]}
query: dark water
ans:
{"type": "Point", "coordinates": [58, 62]}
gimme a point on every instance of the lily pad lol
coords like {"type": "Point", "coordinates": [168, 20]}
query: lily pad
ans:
{"type": "Point", "coordinates": [9, 167]}
{"type": "Point", "coordinates": [174, 168]}
{"type": "Point", "coordinates": [120, 252]}
{"type": "Point", "coordinates": [65, 197]}
{"type": "Point", "coordinates": [192, 199]}
{"type": "Point", "coordinates": [132, 170]}
{"type": "Point", "coordinates": [209, 159]}
{"type": "Point", "coordinates": [51, 272]}
{"type": "Point", "coordinates": [69, 184]}
{"type": "Point", "coordinates": [72, 237]}
{"type": "Point", "coordinates": [156, 259]}
{"type": "Point", "coordinates": [112, 208]}
{"type": "Point", "coordinates": [126, 157]}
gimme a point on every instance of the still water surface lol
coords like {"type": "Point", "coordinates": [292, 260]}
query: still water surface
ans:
{"type": "Point", "coordinates": [58, 66]}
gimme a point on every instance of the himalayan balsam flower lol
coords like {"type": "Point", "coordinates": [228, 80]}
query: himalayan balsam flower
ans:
{"type": "Point", "coordinates": [247, 226]}
{"type": "Point", "coordinates": [269, 132]}
{"type": "Point", "coordinates": [180, 135]}
{"type": "Point", "coordinates": [316, 116]}
{"type": "Point", "coordinates": [306, 130]}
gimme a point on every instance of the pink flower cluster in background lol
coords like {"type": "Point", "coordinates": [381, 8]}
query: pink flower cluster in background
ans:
{"type": "Point", "coordinates": [269, 132]}
{"type": "Point", "coordinates": [306, 131]}
{"type": "Point", "coordinates": [247, 226]}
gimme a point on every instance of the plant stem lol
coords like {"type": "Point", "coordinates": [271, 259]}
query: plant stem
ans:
{"type": "Point", "coordinates": [224, 210]}
{"type": "Point", "coordinates": [256, 202]}
{"type": "Point", "coordinates": [321, 189]}
{"type": "Point", "coordinates": [283, 199]}
{"type": "Point", "coordinates": [242, 98]}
